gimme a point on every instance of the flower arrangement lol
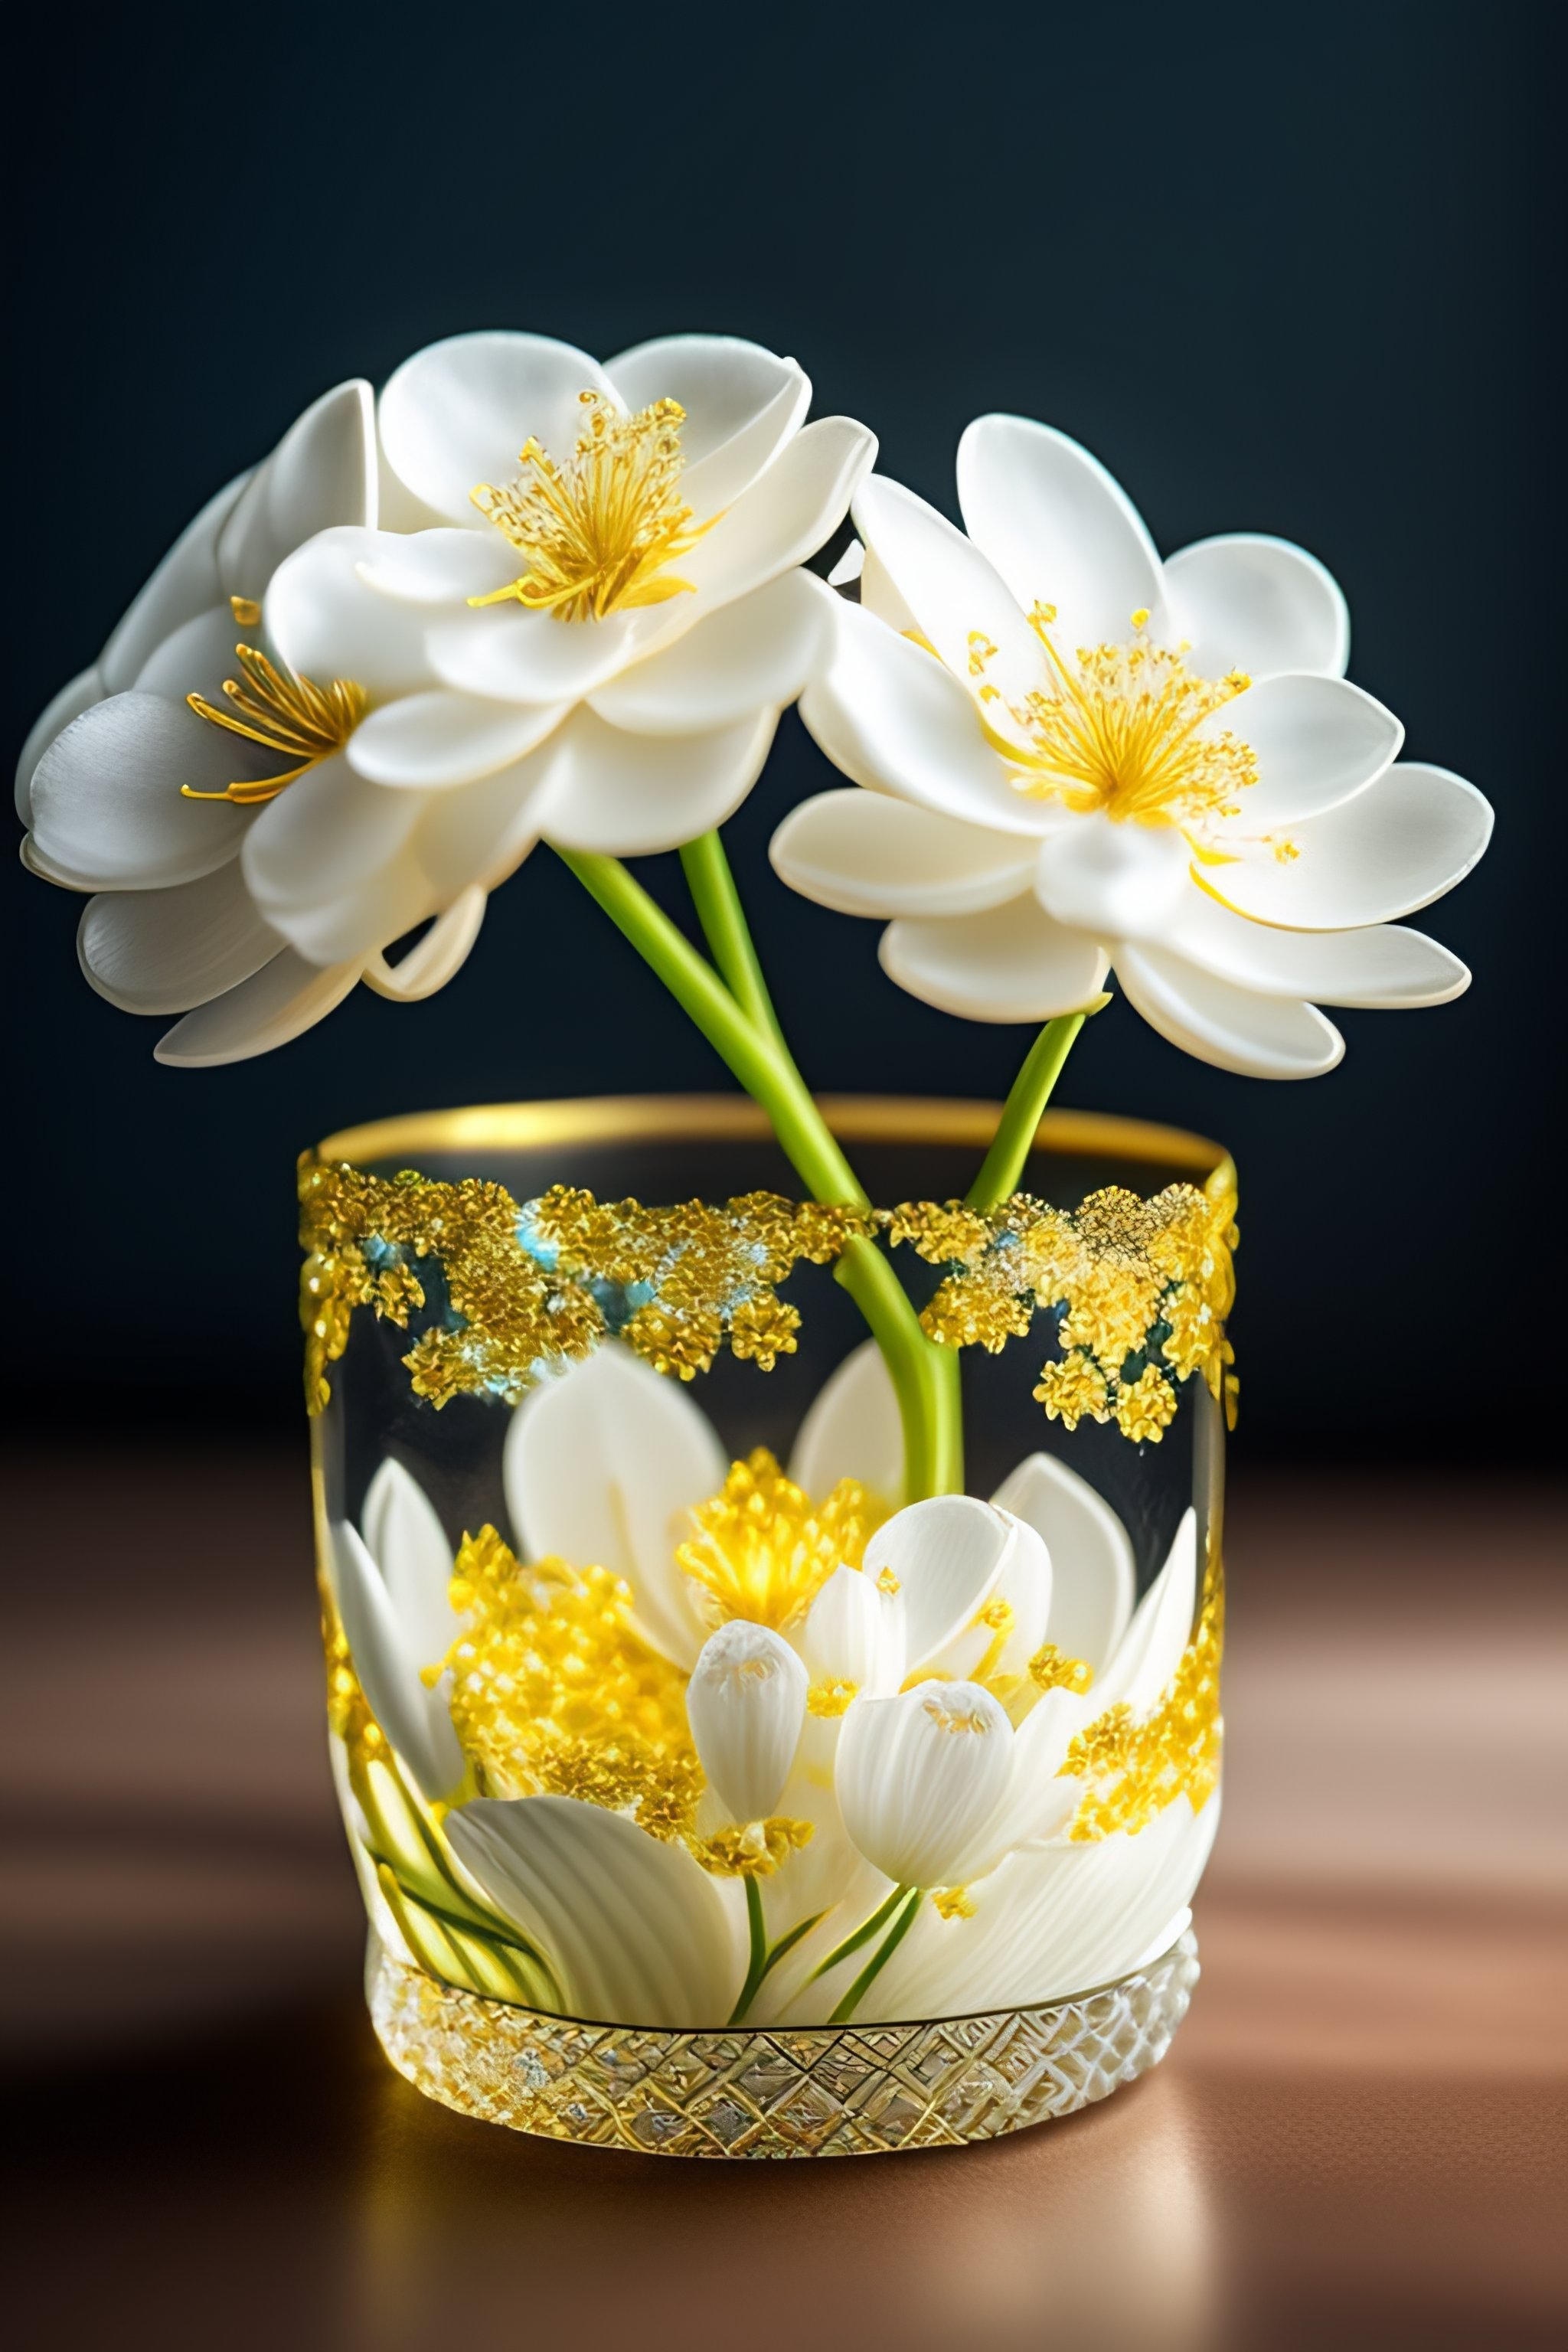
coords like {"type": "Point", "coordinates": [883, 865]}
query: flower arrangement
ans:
{"type": "Point", "coordinates": [695, 1742]}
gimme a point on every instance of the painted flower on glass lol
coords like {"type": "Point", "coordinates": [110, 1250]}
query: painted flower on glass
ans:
{"type": "Point", "coordinates": [712, 1737]}
{"type": "Point", "coordinates": [1081, 758]}
{"type": "Point", "coordinates": [139, 781]}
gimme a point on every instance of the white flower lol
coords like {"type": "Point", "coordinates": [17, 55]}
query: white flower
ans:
{"type": "Point", "coordinates": [747, 1704]}
{"type": "Point", "coordinates": [173, 926]}
{"type": "Point", "coordinates": [921, 1778]}
{"type": "Point", "coordinates": [594, 654]}
{"type": "Point", "coordinates": [392, 1589]}
{"type": "Point", "coordinates": [1115, 762]}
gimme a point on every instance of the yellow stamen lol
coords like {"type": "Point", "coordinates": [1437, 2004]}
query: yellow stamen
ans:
{"type": "Point", "coordinates": [599, 528]}
{"type": "Point", "coordinates": [293, 717]}
{"type": "Point", "coordinates": [764, 1550]}
{"type": "Point", "coordinates": [1116, 731]}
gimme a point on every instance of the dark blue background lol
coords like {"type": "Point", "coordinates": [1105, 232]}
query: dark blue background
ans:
{"type": "Point", "coordinates": [1281, 268]}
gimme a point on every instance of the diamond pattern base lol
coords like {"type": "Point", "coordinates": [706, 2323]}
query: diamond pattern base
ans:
{"type": "Point", "coordinates": [816, 2091]}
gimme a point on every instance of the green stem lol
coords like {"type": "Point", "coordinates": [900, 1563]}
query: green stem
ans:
{"type": "Point", "coordinates": [923, 1376]}
{"type": "Point", "coordinates": [725, 929]}
{"type": "Point", "coordinates": [1024, 1108]}
{"type": "Point", "coordinates": [862, 1935]}
{"type": "Point", "coordinates": [757, 1931]}
{"type": "Point", "coordinates": [878, 1961]}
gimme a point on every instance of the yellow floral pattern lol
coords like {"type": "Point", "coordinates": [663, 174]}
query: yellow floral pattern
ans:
{"type": "Point", "coordinates": [1143, 1288]}
{"type": "Point", "coordinates": [507, 1292]}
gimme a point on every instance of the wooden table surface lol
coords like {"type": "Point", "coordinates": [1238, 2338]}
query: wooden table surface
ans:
{"type": "Point", "coordinates": [1357, 2138]}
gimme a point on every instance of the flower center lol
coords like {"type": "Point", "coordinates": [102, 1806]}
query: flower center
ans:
{"type": "Point", "coordinates": [1117, 731]}
{"type": "Point", "coordinates": [290, 716]}
{"type": "Point", "coordinates": [764, 1550]}
{"type": "Point", "coordinates": [599, 527]}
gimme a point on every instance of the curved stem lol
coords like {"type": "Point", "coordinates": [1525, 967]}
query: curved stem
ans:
{"type": "Point", "coordinates": [880, 1958]}
{"type": "Point", "coordinates": [724, 926]}
{"type": "Point", "coordinates": [1024, 1108]}
{"type": "Point", "coordinates": [923, 1376]}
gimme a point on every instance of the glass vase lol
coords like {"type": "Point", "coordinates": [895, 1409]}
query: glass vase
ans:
{"type": "Point", "coordinates": [708, 1796]}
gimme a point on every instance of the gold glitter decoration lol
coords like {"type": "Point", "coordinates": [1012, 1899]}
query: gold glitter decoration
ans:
{"type": "Point", "coordinates": [1052, 1669]}
{"type": "Point", "coordinates": [763, 1549]}
{"type": "Point", "coordinates": [755, 1849]}
{"type": "Point", "coordinates": [1143, 1286]}
{"type": "Point", "coordinates": [1131, 1769]}
{"type": "Point", "coordinates": [695, 1276]}
{"type": "Point", "coordinates": [598, 529]}
{"type": "Point", "coordinates": [1140, 1285]}
{"type": "Point", "coordinates": [554, 1694]}
{"type": "Point", "coordinates": [775, 2092]}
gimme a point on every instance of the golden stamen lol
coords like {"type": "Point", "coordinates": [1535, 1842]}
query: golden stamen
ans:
{"type": "Point", "coordinates": [599, 528]}
{"type": "Point", "coordinates": [293, 715]}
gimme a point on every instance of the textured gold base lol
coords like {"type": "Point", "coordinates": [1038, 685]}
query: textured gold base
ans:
{"type": "Point", "coordinates": [856, 2090]}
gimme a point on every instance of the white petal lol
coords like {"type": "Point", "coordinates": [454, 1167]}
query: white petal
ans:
{"type": "Point", "coordinates": [522, 656]}
{"type": "Point", "coordinates": [77, 695]}
{"type": "Point", "coordinates": [166, 950]}
{"type": "Point", "coordinates": [1382, 967]}
{"type": "Point", "coordinates": [186, 582]}
{"type": "Point", "coordinates": [1259, 1036]}
{"type": "Point", "coordinates": [852, 1429]}
{"type": "Point", "coordinates": [1319, 741]}
{"type": "Point", "coordinates": [1396, 846]}
{"type": "Point", "coordinates": [321, 473]}
{"type": "Point", "coordinates": [920, 1778]}
{"type": "Point", "coordinates": [1050, 1923]}
{"type": "Point", "coordinates": [1093, 1580]}
{"type": "Point", "coordinates": [435, 739]}
{"type": "Point", "coordinates": [955, 591]}
{"type": "Point", "coordinates": [1113, 880]}
{"type": "Point", "coordinates": [637, 1934]}
{"type": "Point", "coordinates": [947, 1554]}
{"type": "Point", "coordinates": [409, 1546]}
{"type": "Point", "coordinates": [604, 1466]}
{"type": "Point", "coordinates": [1247, 602]}
{"type": "Point", "coordinates": [867, 853]}
{"type": "Point", "coordinates": [1024, 1588]}
{"type": "Point", "coordinates": [285, 998]}
{"type": "Point", "coordinates": [1150, 1649]}
{"type": "Point", "coordinates": [747, 1704]}
{"type": "Point", "coordinates": [633, 794]}
{"type": "Point", "coordinates": [366, 915]}
{"type": "Point", "coordinates": [784, 517]}
{"type": "Point", "coordinates": [458, 412]}
{"type": "Point", "coordinates": [439, 567]}
{"type": "Point", "coordinates": [894, 718]}
{"type": "Point", "coordinates": [437, 958]}
{"type": "Point", "coordinates": [417, 1721]}
{"type": "Point", "coordinates": [857, 1634]}
{"type": "Point", "coordinates": [754, 655]}
{"type": "Point", "coordinates": [483, 832]}
{"type": "Point", "coordinates": [324, 836]}
{"type": "Point", "coordinates": [326, 624]}
{"type": "Point", "coordinates": [107, 807]}
{"type": "Point", "coordinates": [1058, 528]}
{"type": "Point", "coordinates": [1013, 963]}
{"type": "Point", "coordinates": [741, 404]}
{"type": "Point", "coordinates": [195, 658]}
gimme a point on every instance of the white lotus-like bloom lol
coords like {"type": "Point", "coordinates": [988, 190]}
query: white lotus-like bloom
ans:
{"type": "Point", "coordinates": [1079, 757]}
{"type": "Point", "coordinates": [171, 926]}
{"type": "Point", "coordinates": [392, 1585]}
{"type": "Point", "coordinates": [887, 1708]}
{"type": "Point", "coordinates": [594, 653]}
{"type": "Point", "coordinates": [746, 1706]}
{"type": "Point", "coordinates": [593, 650]}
